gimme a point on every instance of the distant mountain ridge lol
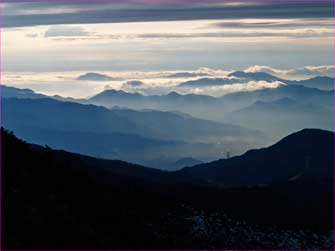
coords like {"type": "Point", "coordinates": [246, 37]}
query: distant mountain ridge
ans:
{"type": "Point", "coordinates": [13, 92]}
{"type": "Point", "coordinates": [93, 76]}
{"type": "Point", "coordinates": [238, 77]}
{"type": "Point", "coordinates": [254, 76]}
{"type": "Point", "coordinates": [313, 106]}
{"type": "Point", "coordinates": [210, 82]}
{"type": "Point", "coordinates": [297, 92]}
{"type": "Point", "coordinates": [187, 75]}
{"type": "Point", "coordinates": [138, 136]}
{"type": "Point", "coordinates": [283, 116]}
{"type": "Point", "coordinates": [323, 83]}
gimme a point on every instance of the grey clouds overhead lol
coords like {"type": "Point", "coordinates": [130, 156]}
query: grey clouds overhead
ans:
{"type": "Point", "coordinates": [18, 14]}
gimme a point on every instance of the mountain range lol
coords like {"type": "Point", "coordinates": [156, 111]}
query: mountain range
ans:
{"type": "Point", "coordinates": [312, 107]}
{"type": "Point", "coordinates": [323, 83]}
{"type": "Point", "coordinates": [297, 92]}
{"type": "Point", "coordinates": [305, 107]}
{"type": "Point", "coordinates": [137, 136]}
{"type": "Point", "coordinates": [203, 82]}
{"type": "Point", "coordinates": [283, 116]}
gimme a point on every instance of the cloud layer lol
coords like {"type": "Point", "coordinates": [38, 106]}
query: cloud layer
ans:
{"type": "Point", "coordinates": [301, 72]}
{"type": "Point", "coordinates": [218, 91]}
{"type": "Point", "coordinates": [152, 82]}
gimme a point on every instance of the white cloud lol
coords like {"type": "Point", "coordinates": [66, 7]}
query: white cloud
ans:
{"type": "Point", "coordinates": [325, 70]}
{"type": "Point", "coordinates": [295, 73]}
{"type": "Point", "coordinates": [150, 82]}
{"type": "Point", "coordinates": [222, 90]}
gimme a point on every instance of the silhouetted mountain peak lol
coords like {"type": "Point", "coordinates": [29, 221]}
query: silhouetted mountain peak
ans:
{"type": "Point", "coordinates": [112, 93]}
{"type": "Point", "coordinates": [308, 138]}
{"type": "Point", "coordinates": [308, 152]}
{"type": "Point", "coordinates": [173, 94]}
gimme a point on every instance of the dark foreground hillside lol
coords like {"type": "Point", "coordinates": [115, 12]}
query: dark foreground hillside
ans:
{"type": "Point", "coordinates": [58, 200]}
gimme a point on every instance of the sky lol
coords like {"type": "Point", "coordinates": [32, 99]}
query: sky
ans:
{"type": "Point", "coordinates": [46, 45]}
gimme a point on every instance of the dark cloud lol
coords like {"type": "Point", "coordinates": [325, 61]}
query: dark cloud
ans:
{"type": "Point", "coordinates": [48, 13]}
{"type": "Point", "coordinates": [231, 34]}
{"type": "Point", "coordinates": [276, 24]}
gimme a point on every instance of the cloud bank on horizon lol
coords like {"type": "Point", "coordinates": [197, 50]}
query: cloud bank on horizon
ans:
{"type": "Point", "coordinates": [68, 83]}
{"type": "Point", "coordinates": [295, 73]}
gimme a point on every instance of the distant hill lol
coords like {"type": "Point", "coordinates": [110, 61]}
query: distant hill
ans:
{"type": "Point", "coordinates": [12, 92]}
{"type": "Point", "coordinates": [211, 82]}
{"type": "Point", "coordinates": [308, 107]}
{"type": "Point", "coordinates": [122, 98]}
{"type": "Point", "coordinates": [186, 75]}
{"type": "Point", "coordinates": [212, 108]}
{"type": "Point", "coordinates": [201, 106]}
{"type": "Point", "coordinates": [283, 116]}
{"type": "Point", "coordinates": [254, 76]}
{"type": "Point", "coordinates": [185, 127]}
{"type": "Point", "coordinates": [236, 77]}
{"type": "Point", "coordinates": [69, 116]}
{"type": "Point", "coordinates": [242, 108]}
{"type": "Point", "coordinates": [188, 162]}
{"type": "Point", "coordinates": [240, 100]}
{"type": "Point", "coordinates": [306, 154]}
{"type": "Point", "coordinates": [172, 163]}
{"type": "Point", "coordinates": [322, 83]}
{"type": "Point", "coordinates": [92, 76]}
{"type": "Point", "coordinates": [115, 97]}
